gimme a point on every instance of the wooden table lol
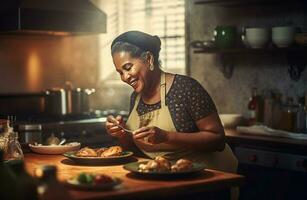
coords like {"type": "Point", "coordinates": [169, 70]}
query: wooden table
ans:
{"type": "Point", "coordinates": [133, 187]}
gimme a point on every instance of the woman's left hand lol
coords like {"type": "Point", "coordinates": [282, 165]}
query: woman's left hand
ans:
{"type": "Point", "coordinates": [151, 135]}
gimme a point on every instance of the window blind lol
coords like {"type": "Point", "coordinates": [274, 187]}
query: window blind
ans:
{"type": "Point", "coordinates": [157, 17]}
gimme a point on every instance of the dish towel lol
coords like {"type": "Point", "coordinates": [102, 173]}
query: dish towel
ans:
{"type": "Point", "coordinates": [266, 131]}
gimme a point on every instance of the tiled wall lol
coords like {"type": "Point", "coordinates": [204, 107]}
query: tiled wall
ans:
{"type": "Point", "coordinates": [265, 71]}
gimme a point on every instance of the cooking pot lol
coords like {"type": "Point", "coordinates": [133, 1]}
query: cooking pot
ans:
{"type": "Point", "coordinates": [77, 100]}
{"type": "Point", "coordinates": [59, 101]}
{"type": "Point", "coordinates": [55, 101]}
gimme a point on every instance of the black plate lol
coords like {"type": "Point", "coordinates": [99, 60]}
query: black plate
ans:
{"type": "Point", "coordinates": [73, 183]}
{"type": "Point", "coordinates": [134, 168]}
{"type": "Point", "coordinates": [98, 160]}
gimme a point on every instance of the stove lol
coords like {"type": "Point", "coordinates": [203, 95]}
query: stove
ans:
{"type": "Point", "coordinates": [88, 128]}
{"type": "Point", "coordinates": [272, 173]}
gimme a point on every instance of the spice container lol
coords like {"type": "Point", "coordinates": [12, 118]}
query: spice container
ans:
{"type": "Point", "coordinates": [288, 116]}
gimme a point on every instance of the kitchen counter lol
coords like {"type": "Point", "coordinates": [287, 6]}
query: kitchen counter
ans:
{"type": "Point", "coordinates": [133, 187]}
{"type": "Point", "coordinates": [233, 137]}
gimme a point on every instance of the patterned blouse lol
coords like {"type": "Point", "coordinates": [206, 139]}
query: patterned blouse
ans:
{"type": "Point", "coordinates": [187, 101]}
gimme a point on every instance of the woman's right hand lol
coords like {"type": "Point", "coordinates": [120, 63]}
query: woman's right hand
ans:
{"type": "Point", "coordinates": [112, 128]}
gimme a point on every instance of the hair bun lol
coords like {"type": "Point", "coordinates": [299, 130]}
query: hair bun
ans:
{"type": "Point", "coordinates": [140, 39]}
{"type": "Point", "coordinates": [157, 43]}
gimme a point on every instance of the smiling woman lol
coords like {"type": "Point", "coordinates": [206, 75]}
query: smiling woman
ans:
{"type": "Point", "coordinates": [129, 60]}
{"type": "Point", "coordinates": [172, 115]}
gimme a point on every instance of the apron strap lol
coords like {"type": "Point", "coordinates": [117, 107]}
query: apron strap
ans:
{"type": "Point", "coordinates": [137, 99]}
{"type": "Point", "coordinates": [162, 89]}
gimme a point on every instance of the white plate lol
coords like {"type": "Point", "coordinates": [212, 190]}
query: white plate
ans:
{"type": "Point", "coordinates": [55, 149]}
{"type": "Point", "coordinates": [73, 183]}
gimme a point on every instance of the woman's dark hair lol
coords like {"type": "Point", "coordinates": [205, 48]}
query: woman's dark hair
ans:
{"type": "Point", "coordinates": [137, 44]}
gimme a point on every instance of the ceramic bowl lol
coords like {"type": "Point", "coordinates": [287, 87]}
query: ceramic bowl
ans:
{"type": "Point", "coordinates": [257, 37]}
{"type": "Point", "coordinates": [231, 120]}
{"type": "Point", "coordinates": [283, 36]}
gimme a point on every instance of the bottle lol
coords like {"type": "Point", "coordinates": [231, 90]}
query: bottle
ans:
{"type": "Point", "coordinates": [300, 116]}
{"type": "Point", "coordinates": [28, 183]}
{"type": "Point", "coordinates": [277, 110]}
{"type": "Point", "coordinates": [268, 109]}
{"type": "Point", "coordinates": [9, 186]}
{"type": "Point", "coordinates": [49, 187]}
{"type": "Point", "coordinates": [253, 107]}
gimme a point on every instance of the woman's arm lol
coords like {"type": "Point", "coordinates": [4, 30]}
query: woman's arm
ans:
{"type": "Point", "coordinates": [211, 135]}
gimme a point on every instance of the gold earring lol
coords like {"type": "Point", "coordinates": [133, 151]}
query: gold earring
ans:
{"type": "Point", "coordinates": [151, 67]}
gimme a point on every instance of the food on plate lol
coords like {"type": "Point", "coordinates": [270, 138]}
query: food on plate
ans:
{"type": "Point", "coordinates": [100, 152]}
{"type": "Point", "coordinates": [91, 178]}
{"type": "Point", "coordinates": [182, 165]}
{"type": "Point", "coordinates": [111, 151]}
{"type": "Point", "coordinates": [52, 140]}
{"type": "Point", "coordinates": [161, 164]}
{"type": "Point", "coordinates": [86, 152]}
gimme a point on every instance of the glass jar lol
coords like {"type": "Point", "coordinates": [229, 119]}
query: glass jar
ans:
{"type": "Point", "coordinates": [3, 135]}
{"type": "Point", "coordinates": [13, 151]}
{"type": "Point", "coordinates": [288, 116]}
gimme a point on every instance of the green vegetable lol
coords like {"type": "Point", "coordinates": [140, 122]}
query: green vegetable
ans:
{"type": "Point", "coordinates": [90, 178]}
{"type": "Point", "coordinates": [82, 178]}
{"type": "Point", "coordinates": [86, 177]}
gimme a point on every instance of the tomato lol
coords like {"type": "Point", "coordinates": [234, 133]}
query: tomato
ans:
{"type": "Point", "coordinates": [101, 179]}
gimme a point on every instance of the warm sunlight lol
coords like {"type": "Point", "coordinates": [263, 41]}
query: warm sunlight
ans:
{"type": "Point", "coordinates": [33, 71]}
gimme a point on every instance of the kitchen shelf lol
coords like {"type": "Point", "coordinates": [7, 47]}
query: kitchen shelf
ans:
{"type": "Point", "coordinates": [296, 58]}
{"type": "Point", "coordinates": [296, 55]}
{"type": "Point", "coordinates": [250, 50]}
{"type": "Point", "coordinates": [229, 3]}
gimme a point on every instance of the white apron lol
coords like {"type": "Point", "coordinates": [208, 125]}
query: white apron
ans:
{"type": "Point", "coordinates": [223, 161]}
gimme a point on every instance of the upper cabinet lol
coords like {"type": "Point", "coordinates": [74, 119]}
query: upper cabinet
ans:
{"type": "Point", "coordinates": [285, 39]}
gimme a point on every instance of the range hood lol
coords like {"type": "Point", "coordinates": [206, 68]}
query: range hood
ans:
{"type": "Point", "coordinates": [56, 17]}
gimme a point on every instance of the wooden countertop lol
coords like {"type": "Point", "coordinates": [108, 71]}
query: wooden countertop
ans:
{"type": "Point", "coordinates": [133, 187]}
{"type": "Point", "coordinates": [236, 138]}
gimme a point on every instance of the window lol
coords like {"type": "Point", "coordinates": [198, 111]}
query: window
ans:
{"type": "Point", "coordinates": [156, 17]}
